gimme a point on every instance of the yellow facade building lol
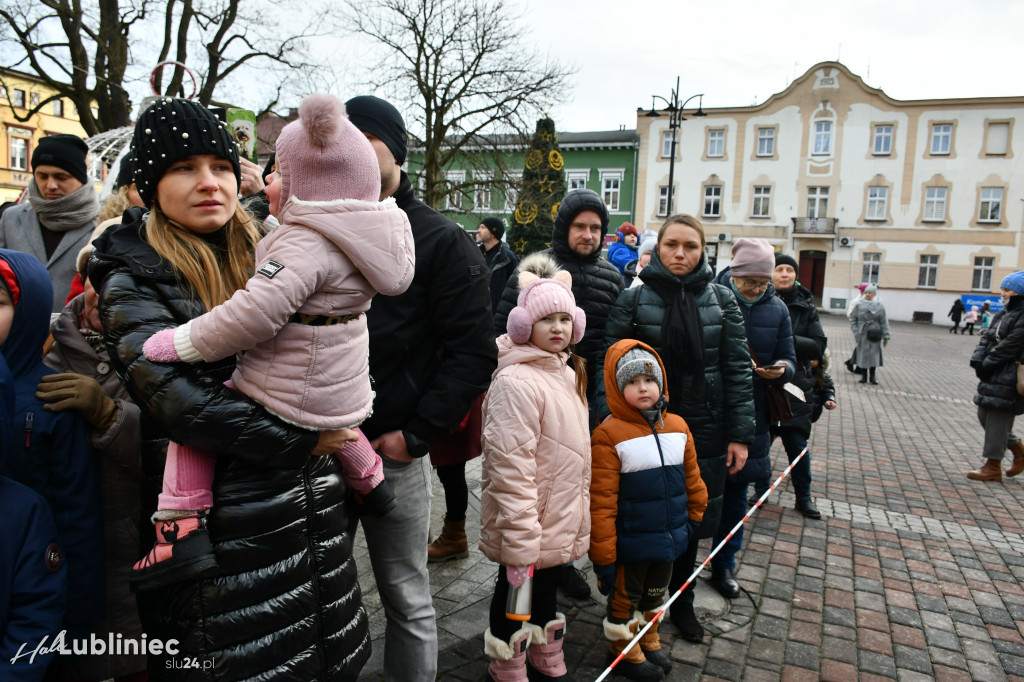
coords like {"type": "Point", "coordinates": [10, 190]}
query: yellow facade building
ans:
{"type": "Point", "coordinates": [22, 92]}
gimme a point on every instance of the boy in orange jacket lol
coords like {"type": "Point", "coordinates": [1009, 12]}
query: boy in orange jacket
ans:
{"type": "Point", "coordinates": [646, 500]}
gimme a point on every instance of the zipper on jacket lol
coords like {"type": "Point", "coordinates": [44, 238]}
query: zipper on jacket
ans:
{"type": "Point", "coordinates": [29, 418]}
{"type": "Point", "coordinates": [316, 570]}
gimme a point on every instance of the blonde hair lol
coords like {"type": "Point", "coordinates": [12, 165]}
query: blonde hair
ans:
{"type": "Point", "coordinates": [213, 279]}
{"type": "Point", "coordinates": [116, 204]}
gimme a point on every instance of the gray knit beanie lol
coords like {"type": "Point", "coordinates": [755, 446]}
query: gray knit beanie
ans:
{"type": "Point", "coordinates": [635, 362]}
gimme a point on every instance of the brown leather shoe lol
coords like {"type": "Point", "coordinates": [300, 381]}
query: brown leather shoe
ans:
{"type": "Point", "coordinates": [1018, 459]}
{"type": "Point", "coordinates": [989, 471]}
{"type": "Point", "coordinates": [450, 544]}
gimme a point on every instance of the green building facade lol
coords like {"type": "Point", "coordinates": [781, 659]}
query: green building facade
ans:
{"type": "Point", "coordinates": [604, 161]}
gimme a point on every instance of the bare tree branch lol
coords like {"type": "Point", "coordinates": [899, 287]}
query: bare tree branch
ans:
{"type": "Point", "coordinates": [472, 83]}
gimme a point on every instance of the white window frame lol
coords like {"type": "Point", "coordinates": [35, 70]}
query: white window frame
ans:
{"type": "Point", "coordinates": [482, 187]}
{"type": "Point", "coordinates": [716, 143]}
{"type": "Point", "coordinates": [666, 143]}
{"type": "Point", "coordinates": [17, 148]}
{"type": "Point", "coordinates": [991, 207]}
{"type": "Point", "coordinates": [928, 271]}
{"type": "Point", "coordinates": [58, 108]}
{"type": "Point", "coordinates": [18, 98]}
{"type": "Point", "coordinates": [766, 141]}
{"type": "Point", "coordinates": [984, 267]}
{"type": "Point", "coordinates": [452, 179]}
{"type": "Point", "coordinates": [935, 199]}
{"type": "Point", "coordinates": [512, 180]}
{"type": "Point", "coordinates": [575, 176]}
{"type": "Point", "coordinates": [878, 202]}
{"type": "Point", "coordinates": [712, 201]}
{"type": "Point", "coordinates": [822, 138]}
{"type": "Point", "coordinates": [762, 204]}
{"type": "Point", "coordinates": [817, 202]}
{"type": "Point", "coordinates": [663, 201]}
{"type": "Point", "coordinates": [997, 138]}
{"type": "Point", "coordinates": [33, 99]}
{"type": "Point", "coordinates": [883, 140]}
{"type": "Point", "coordinates": [611, 187]}
{"type": "Point", "coordinates": [870, 268]}
{"type": "Point", "coordinates": [942, 139]}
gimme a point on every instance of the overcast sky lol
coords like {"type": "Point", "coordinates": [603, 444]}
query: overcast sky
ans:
{"type": "Point", "coordinates": [740, 52]}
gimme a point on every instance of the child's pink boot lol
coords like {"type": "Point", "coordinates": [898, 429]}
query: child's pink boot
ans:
{"type": "Point", "coordinates": [182, 552]}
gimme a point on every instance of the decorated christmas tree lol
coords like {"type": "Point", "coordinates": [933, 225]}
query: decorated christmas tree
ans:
{"type": "Point", "coordinates": [540, 194]}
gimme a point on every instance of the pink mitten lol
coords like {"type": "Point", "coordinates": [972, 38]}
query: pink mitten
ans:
{"type": "Point", "coordinates": [517, 575]}
{"type": "Point", "coordinates": [160, 347]}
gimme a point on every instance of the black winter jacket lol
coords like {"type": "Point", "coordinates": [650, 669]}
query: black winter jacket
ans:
{"type": "Point", "coordinates": [502, 264]}
{"type": "Point", "coordinates": [719, 411]}
{"type": "Point", "coordinates": [596, 284]}
{"type": "Point", "coordinates": [809, 342]}
{"type": "Point", "coordinates": [432, 349]}
{"type": "Point", "coordinates": [995, 359]}
{"type": "Point", "coordinates": [285, 603]}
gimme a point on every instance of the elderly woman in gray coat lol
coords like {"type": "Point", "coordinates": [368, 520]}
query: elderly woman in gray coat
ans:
{"type": "Point", "coordinates": [871, 331]}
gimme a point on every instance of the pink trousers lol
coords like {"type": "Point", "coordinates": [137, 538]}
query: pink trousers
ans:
{"type": "Point", "coordinates": [188, 474]}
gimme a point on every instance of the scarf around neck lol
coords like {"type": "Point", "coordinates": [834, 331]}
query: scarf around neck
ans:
{"type": "Point", "coordinates": [743, 299]}
{"type": "Point", "coordinates": [68, 212]}
{"type": "Point", "coordinates": [682, 335]}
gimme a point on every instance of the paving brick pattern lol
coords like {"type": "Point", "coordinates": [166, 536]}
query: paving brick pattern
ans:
{"type": "Point", "coordinates": [913, 573]}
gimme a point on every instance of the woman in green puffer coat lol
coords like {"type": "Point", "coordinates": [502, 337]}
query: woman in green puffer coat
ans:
{"type": "Point", "coordinates": [697, 328]}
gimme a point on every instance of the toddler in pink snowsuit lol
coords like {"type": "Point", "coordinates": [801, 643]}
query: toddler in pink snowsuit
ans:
{"type": "Point", "coordinates": [298, 326]}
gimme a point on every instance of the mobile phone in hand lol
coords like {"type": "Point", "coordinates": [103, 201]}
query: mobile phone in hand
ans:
{"type": "Point", "coordinates": [772, 367]}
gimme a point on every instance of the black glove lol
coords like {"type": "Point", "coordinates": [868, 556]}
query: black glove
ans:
{"type": "Point", "coordinates": [605, 578]}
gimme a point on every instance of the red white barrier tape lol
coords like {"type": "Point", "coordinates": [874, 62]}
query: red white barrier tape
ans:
{"type": "Point", "coordinates": [693, 576]}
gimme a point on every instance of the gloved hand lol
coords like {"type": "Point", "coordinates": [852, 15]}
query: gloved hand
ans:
{"type": "Point", "coordinates": [605, 578]}
{"type": "Point", "coordinates": [160, 347]}
{"type": "Point", "coordinates": [69, 391]}
{"type": "Point", "coordinates": [885, 342]}
{"type": "Point", "coordinates": [517, 575]}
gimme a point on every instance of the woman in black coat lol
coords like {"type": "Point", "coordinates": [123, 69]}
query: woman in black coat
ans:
{"type": "Point", "coordinates": [956, 313]}
{"type": "Point", "coordinates": [809, 342]}
{"type": "Point", "coordinates": [995, 362]}
{"type": "Point", "coordinates": [697, 328]}
{"type": "Point", "coordinates": [283, 602]}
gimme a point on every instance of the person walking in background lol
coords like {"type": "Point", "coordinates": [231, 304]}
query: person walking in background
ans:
{"type": "Point", "coordinates": [697, 329]}
{"type": "Point", "coordinates": [535, 500]}
{"type": "Point", "coordinates": [432, 353]}
{"type": "Point", "coordinates": [956, 313]}
{"type": "Point", "coordinates": [809, 344]}
{"type": "Point", "coordinates": [501, 262]}
{"type": "Point", "coordinates": [995, 363]}
{"type": "Point", "coordinates": [870, 328]}
{"type": "Point", "coordinates": [279, 525]}
{"type": "Point", "coordinates": [969, 320]}
{"type": "Point", "coordinates": [770, 339]}
{"type": "Point", "coordinates": [645, 475]}
{"type": "Point", "coordinates": [985, 316]}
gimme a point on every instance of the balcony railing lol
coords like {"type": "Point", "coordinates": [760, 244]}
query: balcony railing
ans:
{"type": "Point", "coordinates": [826, 226]}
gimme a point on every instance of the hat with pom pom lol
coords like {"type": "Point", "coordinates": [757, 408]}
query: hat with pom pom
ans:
{"type": "Point", "coordinates": [541, 296]}
{"type": "Point", "coordinates": [322, 156]}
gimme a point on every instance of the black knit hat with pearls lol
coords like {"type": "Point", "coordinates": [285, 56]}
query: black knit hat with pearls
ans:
{"type": "Point", "coordinates": [168, 131]}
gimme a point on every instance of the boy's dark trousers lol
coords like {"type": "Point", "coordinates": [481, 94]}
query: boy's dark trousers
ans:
{"type": "Point", "coordinates": [638, 587]}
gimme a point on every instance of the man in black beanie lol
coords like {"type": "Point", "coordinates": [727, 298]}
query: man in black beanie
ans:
{"type": "Point", "coordinates": [432, 353]}
{"type": "Point", "coordinates": [57, 220]}
{"type": "Point", "coordinates": [500, 259]}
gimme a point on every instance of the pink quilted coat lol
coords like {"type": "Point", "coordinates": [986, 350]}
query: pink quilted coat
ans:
{"type": "Point", "coordinates": [328, 259]}
{"type": "Point", "coordinates": [535, 506]}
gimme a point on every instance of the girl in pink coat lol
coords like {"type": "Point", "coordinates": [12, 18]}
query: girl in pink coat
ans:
{"type": "Point", "coordinates": [535, 504]}
{"type": "Point", "coordinates": [298, 325]}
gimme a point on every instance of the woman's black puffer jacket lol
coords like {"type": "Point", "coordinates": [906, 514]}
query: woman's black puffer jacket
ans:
{"type": "Point", "coordinates": [995, 359]}
{"type": "Point", "coordinates": [722, 410]}
{"type": "Point", "coordinates": [285, 603]}
{"type": "Point", "coordinates": [809, 341]}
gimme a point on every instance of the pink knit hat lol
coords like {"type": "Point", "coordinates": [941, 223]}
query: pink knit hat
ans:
{"type": "Point", "coordinates": [540, 297]}
{"type": "Point", "coordinates": [752, 258]}
{"type": "Point", "coordinates": [323, 157]}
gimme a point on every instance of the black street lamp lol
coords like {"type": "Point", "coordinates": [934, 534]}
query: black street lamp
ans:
{"type": "Point", "coordinates": [675, 117]}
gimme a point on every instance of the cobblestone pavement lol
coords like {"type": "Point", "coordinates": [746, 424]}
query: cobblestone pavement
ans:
{"type": "Point", "coordinates": [913, 573]}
